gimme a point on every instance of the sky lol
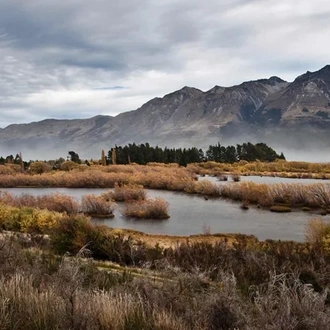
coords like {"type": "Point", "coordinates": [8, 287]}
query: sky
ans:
{"type": "Point", "coordinates": [68, 59]}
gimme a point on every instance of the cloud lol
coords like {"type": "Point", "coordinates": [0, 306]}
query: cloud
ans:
{"type": "Point", "coordinates": [70, 59]}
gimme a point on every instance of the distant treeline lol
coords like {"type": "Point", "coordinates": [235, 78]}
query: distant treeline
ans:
{"type": "Point", "coordinates": [144, 153]}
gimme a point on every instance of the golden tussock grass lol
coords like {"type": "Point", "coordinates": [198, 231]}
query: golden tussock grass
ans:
{"type": "Point", "coordinates": [54, 202]}
{"type": "Point", "coordinates": [280, 168]}
{"type": "Point", "coordinates": [150, 209]}
{"type": "Point", "coordinates": [126, 192]}
{"type": "Point", "coordinates": [96, 206]}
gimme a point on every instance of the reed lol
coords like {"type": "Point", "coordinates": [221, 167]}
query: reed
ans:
{"type": "Point", "coordinates": [126, 192]}
{"type": "Point", "coordinates": [97, 207]}
{"type": "Point", "coordinates": [150, 209]}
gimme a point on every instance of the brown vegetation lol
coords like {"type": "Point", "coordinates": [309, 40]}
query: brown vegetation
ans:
{"type": "Point", "coordinates": [150, 209]}
{"type": "Point", "coordinates": [128, 181]}
{"type": "Point", "coordinates": [280, 209]}
{"type": "Point", "coordinates": [280, 168]}
{"type": "Point", "coordinates": [254, 285]}
{"type": "Point", "coordinates": [97, 207]}
{"type": "Point", "coordinates": [52, 202]}
{"type": "Point", "coordinates": [126, 193]}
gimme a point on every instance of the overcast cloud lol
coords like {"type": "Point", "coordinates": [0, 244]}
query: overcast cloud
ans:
{"type": "Point", "coordinates": [77, 59]}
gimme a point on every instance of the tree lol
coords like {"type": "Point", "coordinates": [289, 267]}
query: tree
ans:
{"type": "Point", "coordinates": [103, 158]}
{"type": "Point", "coordinates": [114, 156]}
{"type": "Point", "coordinates": [39, 168]}
{"type": "Point", "coordinates": [74, 157]}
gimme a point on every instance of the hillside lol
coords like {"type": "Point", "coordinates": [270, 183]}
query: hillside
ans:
{"type": "Point", "coordinates": [292, 115]}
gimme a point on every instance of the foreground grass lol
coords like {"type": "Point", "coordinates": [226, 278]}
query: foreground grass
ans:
{"type": "Point", "coordinates": [245, 285]}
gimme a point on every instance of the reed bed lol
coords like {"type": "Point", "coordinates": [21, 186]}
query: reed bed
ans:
{"type": "Point", "coordinates": [53, 202]}
{"type": "Point", "coordinates": [154, 177]}
{"type": "Point", "coordinates": [128, 180]}
{"type": "Point", "coordinates": [126, 193]}
{"type": "Point", "coordinates": [150, 209]}
{"type": "Point", "coordinates": [97, 207]}
{"type": "Point", "coordinates": [283, 168]}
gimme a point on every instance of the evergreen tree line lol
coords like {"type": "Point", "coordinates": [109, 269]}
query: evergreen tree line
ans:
{"type": "Point", "coordinates": [144, 153]}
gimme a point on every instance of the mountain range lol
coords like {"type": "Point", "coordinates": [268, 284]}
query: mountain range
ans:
{"type": "Point", "coordinates": [286, 115]}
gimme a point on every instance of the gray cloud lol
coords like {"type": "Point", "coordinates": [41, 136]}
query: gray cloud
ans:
{"type": "Point", "coordinates": [62, 59]}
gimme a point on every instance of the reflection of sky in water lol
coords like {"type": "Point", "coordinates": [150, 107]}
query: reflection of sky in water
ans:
{"type": "Point", "coordinates": [190, 213]}
{"type": "Point", "coordinates": [266, 179]}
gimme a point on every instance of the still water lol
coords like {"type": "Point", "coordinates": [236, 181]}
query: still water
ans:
{"type": "Point", "coordinates": [266, 179]}
{"type": "Point", "coordinates": [191, 214]}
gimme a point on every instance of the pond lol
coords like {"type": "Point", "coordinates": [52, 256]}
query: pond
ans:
{"type": "Point", "coordinates": [265, 179]}
{"type": "Point", "coordinates": [192, 214]}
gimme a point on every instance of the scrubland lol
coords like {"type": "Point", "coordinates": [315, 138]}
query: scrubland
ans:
{"type": "Point", "coordinates": [81, 276]}
{"type": "Point", "coordinates": [60, 271]}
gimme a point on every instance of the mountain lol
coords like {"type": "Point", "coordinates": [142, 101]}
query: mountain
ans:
{"type": "Point", "coordinates": [280, 113]}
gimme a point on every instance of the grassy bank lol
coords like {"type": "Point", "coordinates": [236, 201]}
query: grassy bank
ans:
{"type": "Point", "coordinates": [279, 168]}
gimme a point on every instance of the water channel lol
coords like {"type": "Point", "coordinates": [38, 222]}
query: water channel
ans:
{"type": "Point", "coordinates": [191, 214]}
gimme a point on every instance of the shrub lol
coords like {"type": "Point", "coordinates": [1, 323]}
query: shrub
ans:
{"type": "Point", "coordinates": [39, 168]}
{"type": "Point", "coordinates": [96, 206]}
{"type": "Point", "coordinates": [126, 192]}
{"type": "Point", "coordinates": [27, 219]}
{"type": "Point", "coordinates": [318, 233]}
{"type": "Point", "coordinates": [68, 165]}
{"type": "Point", "coordinates": [236, 177]}
{"type": "Point", "coordinates": [150, 209]}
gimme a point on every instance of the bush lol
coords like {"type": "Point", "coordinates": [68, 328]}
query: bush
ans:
{"type": "Point", "coordinates": [126, 192]}
{"type": "Point", "coordinates": [27, 219]}
{"type": "Point", "coordinates": [96, 206]}
{"type": "Point", "coordinates": [151, 209]}
{"type": "Point", "coordinates": [39, 168]}
{"type": "Point", "coordinates": [236, 177]}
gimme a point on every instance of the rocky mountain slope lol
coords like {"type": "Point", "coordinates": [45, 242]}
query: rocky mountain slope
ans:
{"type": "Point", "coordinates": [272, 110]}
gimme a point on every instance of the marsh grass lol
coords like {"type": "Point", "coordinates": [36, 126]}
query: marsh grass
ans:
{"type": "Point", "coordinates": [126, 193]}
{"type": "Point", "coordinates": [150, 209]}
{"type": "Point", "coordinates": [52, 202]}
{"type": "Point", "coordinates": [96, 206]}
{"type": "Point", "coordinates": [127, 181]}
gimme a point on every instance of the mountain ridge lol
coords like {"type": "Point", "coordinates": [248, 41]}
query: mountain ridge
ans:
{"type": "Point", "coordinates": [270, 110]}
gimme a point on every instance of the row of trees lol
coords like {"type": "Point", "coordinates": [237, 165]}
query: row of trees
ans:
{"type": "Point", "coordinates": [144, 153]}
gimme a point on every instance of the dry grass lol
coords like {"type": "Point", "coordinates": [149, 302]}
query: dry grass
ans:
{"type": "Point", "coordinates": [236, 177]}
{"type": "Point", "coordinates": [316, 231]}
{"type": "Point", "coordinates": [129, 179]}
{"type": "Point", "coordinates": [281, 168]}
{"type": "Point", "coordinates": [96, 206]}
{"type": "Point", "coordinates": [126, 192]}
{"type": "Point", "coordinates": [150, 209]}
{"type": "Point", "coordinates": [52, 202]}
